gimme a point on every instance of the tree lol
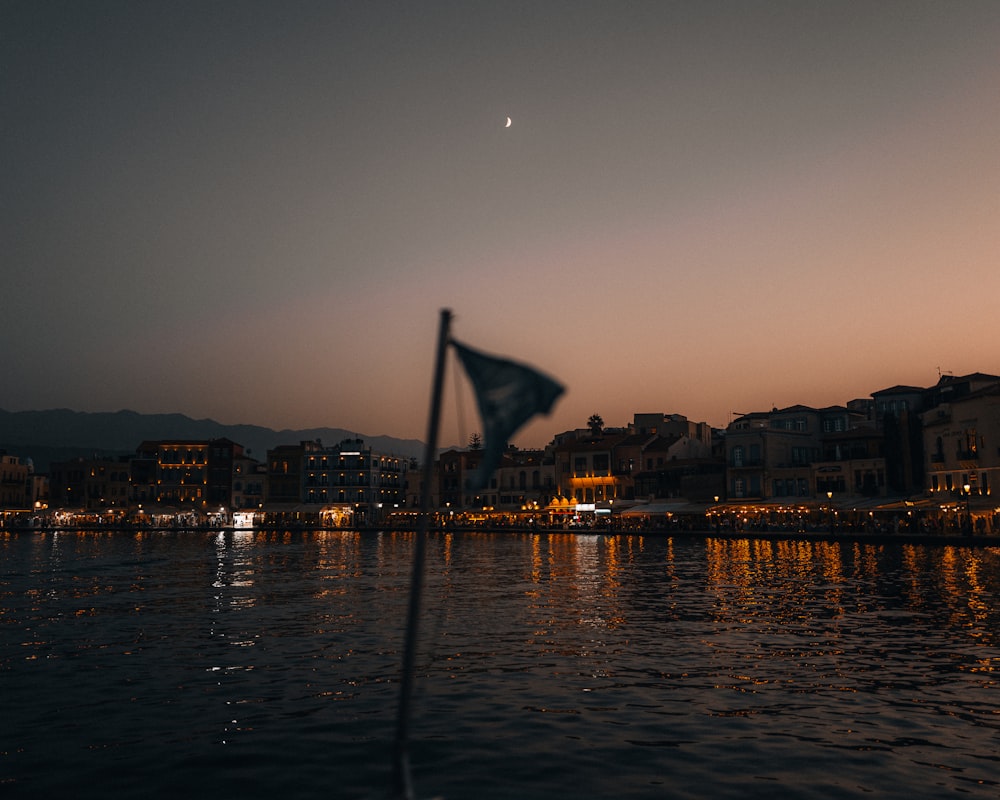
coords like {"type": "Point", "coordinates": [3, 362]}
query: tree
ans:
{"type": "Point", "coordinates": [596, 424]}
{"type": "Point", "coordinates": [475, 442]}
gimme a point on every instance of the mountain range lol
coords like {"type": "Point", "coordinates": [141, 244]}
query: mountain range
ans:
{"type": "Point", "coordinates": [62, 434]}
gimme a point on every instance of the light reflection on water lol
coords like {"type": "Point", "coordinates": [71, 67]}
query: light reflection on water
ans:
{"type": "Point", "coordinates": [259, 663]}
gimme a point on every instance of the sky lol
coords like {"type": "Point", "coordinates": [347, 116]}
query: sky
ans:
{"type": "Point", "coordinates": [255, 211]}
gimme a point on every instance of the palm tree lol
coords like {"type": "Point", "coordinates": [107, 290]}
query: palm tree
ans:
{"type": "Point", "coordinates": [596, 424]}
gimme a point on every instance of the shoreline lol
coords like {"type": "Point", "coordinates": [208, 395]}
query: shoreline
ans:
{"type": "Point", "coordinates": [853, 537]}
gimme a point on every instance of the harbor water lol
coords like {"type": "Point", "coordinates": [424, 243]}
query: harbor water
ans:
{"type": "Point", "coordinates": [266, 664]}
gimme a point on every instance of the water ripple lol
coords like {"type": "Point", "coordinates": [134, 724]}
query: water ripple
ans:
{"type": "Point", "coordinates": [255, 664]}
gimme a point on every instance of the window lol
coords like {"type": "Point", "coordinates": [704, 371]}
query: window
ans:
{"type": "Point", "coordinates": [738, 458]}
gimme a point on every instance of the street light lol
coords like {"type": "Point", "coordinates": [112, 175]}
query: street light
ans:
{"type": "Point", "coordinates": [829, 503]}
{"type": "Point", "coordinates": [716, 515]}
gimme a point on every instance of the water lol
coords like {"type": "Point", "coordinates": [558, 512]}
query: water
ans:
{"type": "Point", "coordinates": [251, 665]}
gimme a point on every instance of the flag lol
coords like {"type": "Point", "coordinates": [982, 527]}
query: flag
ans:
{"type": "Point", "coordinates": [508, 395]}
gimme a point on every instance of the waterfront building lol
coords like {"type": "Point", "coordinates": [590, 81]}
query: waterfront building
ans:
{"type": "Point", "coordinates": [852, 463]}
{"type": "Point", "coordinates": [671, 425]}
{"type": "Point", "coordinates": [38, 489]}
{"type": "Point", "coordinates": [896, 415]}
{"type": "Point", "coordinates": [97, 484]}
{"type": "Point", "coordinates": [352, 474]}
{"type": "Point", "coordinates": [655, 456]}
{"type": "Point", "coordinates": [14, 483]}
{"type": "Point", "coordinates": [586, 471]}
{"type": "Point", "coordinates": [414, 487]}
{"type": "Point", "coordinates": [348, 479]}
{"type": "Point", "coordinates": [222, 457]}
{"type": "Point", "coordinates": [525, 480]}
{"type": "Point", "coordinates": [249, 480]}
{"type": "Point", "coordinates": [285, 480]}
{"type": "Point", "coordinates": [190, 474]}
{"type": "Point", "coordinates": [776, 454]}
{"type": "Point", "coordinates": [675, 475]}
{"type": "Point", "coordinates": [456, 473]}
{"type": "Point", "coordinates": [962, 445]}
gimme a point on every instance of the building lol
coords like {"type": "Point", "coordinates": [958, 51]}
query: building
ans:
{"type": "Point", "coordinates": [333, 483]}
{"type": "Point", "coordinates": [780, 454]}
{"type": "Point", "coordinates": [351, 474]}
{"type": "Point", "coordinates": [525, 480]}
{"type": "Point", "coordinates": [14, 483]}
{"type": "Point", "coordinates": [656, 456]}
{"type": "Point", "coordinates": [962, 445]}
{"type": "Point", "coordinates": [456, 471]}
{"type": "Point", "coordinates": [97, 484]}
{"type": "Point", "coordinates": [897, 413]}
{"type": "Point", "coordinates": [671, 470]}
{"type": "Point", "coordinates": [285, 477]}
{"type": "Point", "coordinates": [586, 471]}
{"type": "Point", "coordinates": [668, 425]}
{"type": "Point", "coordinates": [191, 474]}
{"type": "Point", "coordinates": [249, 480]}
{"type": "Point", "coordinates": [852, 463]}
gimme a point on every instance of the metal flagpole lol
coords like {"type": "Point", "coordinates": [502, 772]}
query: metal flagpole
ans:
{"type": "Point", "coordinates": [402, 780]}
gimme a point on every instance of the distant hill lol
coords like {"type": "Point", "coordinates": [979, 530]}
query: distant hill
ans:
{"type": "Point", "coordinates": [61, 434]}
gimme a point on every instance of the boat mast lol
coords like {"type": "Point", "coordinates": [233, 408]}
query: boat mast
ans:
{"type": "Point", "coordinates": [402, 780]}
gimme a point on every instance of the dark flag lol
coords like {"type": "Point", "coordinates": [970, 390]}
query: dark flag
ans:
{"type": "Point", "coordinates": [508, 394]}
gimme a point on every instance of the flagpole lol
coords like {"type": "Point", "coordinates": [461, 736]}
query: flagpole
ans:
{"type": "Point", "coordinates": [402, 780]}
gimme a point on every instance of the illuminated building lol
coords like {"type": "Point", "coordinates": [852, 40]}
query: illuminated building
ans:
{"type": "Point", "coordinates": [962, 444]}
{"type": "Point", "coordinates": [525, 479]}
{"type": "Point", "coordinates": [657, 455]}
{"type": "Point", "coordinates": [586, 470]}
{"type": "Point", "coordinates": [348, 474]}
{"type": "Point", "coordinates": [185, 473]}
{"type": "Point", "coordinates": [355, 474]}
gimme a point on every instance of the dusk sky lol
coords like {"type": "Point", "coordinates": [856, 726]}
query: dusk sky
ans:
{"type": "Point", "coordinates": [255, 211]}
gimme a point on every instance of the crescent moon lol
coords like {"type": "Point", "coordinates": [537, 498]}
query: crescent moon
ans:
{"type": "Point", "coordinates": [508, 123]}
